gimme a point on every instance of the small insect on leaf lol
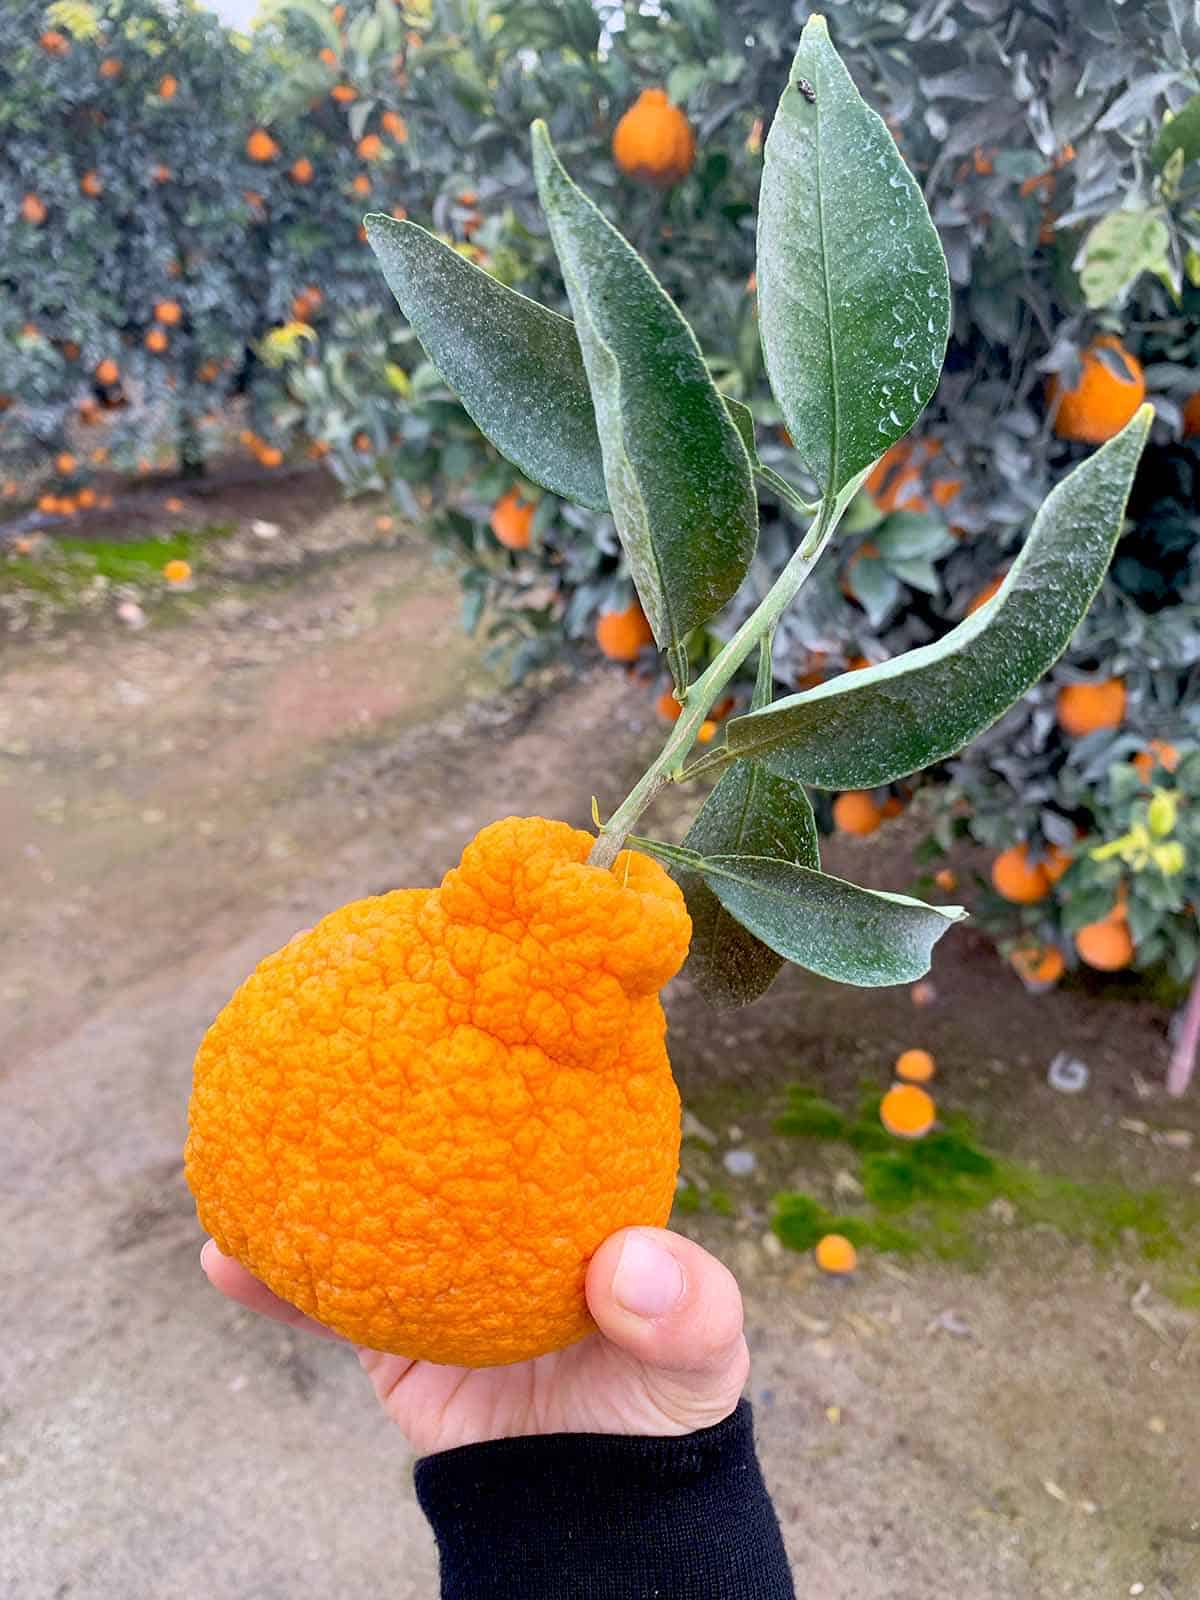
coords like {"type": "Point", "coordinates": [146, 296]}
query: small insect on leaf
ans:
{"type": "Point", "coordinates": [807, 90]}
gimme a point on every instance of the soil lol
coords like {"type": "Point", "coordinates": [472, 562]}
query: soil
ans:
{"type": "Point", "coordinates": [307, 724]}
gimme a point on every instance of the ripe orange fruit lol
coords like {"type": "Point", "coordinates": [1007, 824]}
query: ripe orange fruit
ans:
{"type": "Point", "coordinates": [362, 443]}
{"type": "Point", "coordinates": [161, 173]}
{"type": "Point", "coordinates": [667, 707]}
{"type": "Point", "coordinates": [328, 56]}
{"type": "Point", "coordinates": [54, 43]}
{"type": "Point", "coordinates": [653, 141]}
{"type": "Point", "coordinates": [156, 341]}
{"type": "Point", "coordinates": [856, 812]}
{"type": "Point", "coordinates": [1057, 863]}
{"type": "Point", "coordinates": [361, 184]}
{"type": "Point", "coordinates": [915, 1066]}
{"type": "Point", "coordinates": [342, 93]}
{"type": "Point", "coordinates": [302, 170]}
{"type": "Point", "coordinates": [86, 499]}
{"type": "Point", "coordinates": [91, 184]}
{"type": "Point", "coordinates": [893, 806]}
{"type": "Point", "coordinates": [269, 455]}
{"type": "Point", "coordinates": [707, 731]}
{"type": "Point", "coordinates": [108, 372]}
{"type": "Point", "coordinates": [47, 504]}
{"type": "Point", "coordinates": [1084, 708]}
{"type": "Point", "coordinates": [33, 210]}
{"type": "Point", "coordinates": [419, 1120]}
{"type": "Point", "coordinates": [1157, 753]}
{"type": "Point", "coordinates": [1018, 879]}
{"type": "Point", "coordinates": [395, 125]}
{"type": "Point", "coordinates": [1101, 403]}
{"type": "Point", "coordinates": [512, 520]}
{"type": "Point", "coordinates": [1038, 963]}
{"type": "Point", "coordinates": [260, 146]}
{"type": "Point", "coordinates": [622, 635]}
{"type": "Point", "coordinates": [64, 463]}
{"type": "Point", "coordinates": [173, 504]}
{"type": "Point", "coordinates": [370, 147]}
{"type": "Point", "coordinates": [168, 87]}
{"type": "Point", "coordinates": [946, 879]}
{"type": "Point", "coordinates": [110, 67]}
{"type": "Point", "coordinates": [836, 1255]}
{"type": "Point", "coordinates": [907, 1111]}
{"type": "Point", "coordinates": [985, 594]}
{"type": "Point", "coordinates": [169, 313]}
{"type": "Point", "coordinates": [1107, 945]}
{"type": "Point", "coordinates": [177, 571]}
{"type": "Point", "coordinates": [384, 524]}
{"type": "Point", "coordinates": [1191, 415]}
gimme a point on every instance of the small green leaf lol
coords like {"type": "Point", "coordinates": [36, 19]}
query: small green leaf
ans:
{"type": "Point", "coordinates": [1118, 250]}
{"type": "Point", "coordinates": [834, 928]}
{"type": "Point", "coordinates": [853, 291]}
{"type": "Point", "coordinates": [514, 364]}
{"type": "Point", "coordinates": [678, 474]}
{"type": "Point", "coordinates": [871, 727]}
{"type": "Point", "coordinates": [1181, 132]}
{"type": "Point", "coordinates": [754, 813]}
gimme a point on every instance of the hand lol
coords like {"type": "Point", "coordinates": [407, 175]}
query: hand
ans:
{"type": "Point", "coordinates": [669, 1356]}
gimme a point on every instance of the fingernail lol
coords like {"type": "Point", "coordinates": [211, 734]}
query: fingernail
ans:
{"type": "Point", "coordinates": [648, 1280]}
{"type": "Point", "coordinates": [209, 1245]}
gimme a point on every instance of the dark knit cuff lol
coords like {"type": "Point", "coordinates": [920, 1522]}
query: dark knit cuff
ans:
{"type": "Point", "coordinates": [594, 1516]}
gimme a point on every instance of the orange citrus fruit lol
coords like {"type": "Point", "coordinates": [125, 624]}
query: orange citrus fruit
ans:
{"type": "Point", "coordinates": [836, 1255]}
{"type": "Point", "coordinates": [177, 571]}
{"type": "Point", "coordinates": [622, 635]}
{"type": "Point", "coordinates": [156, 341]}
{"type": "Point", "coordinates": [1038, 963]}
{"type": "Point", "coordinates": [1157, 753]}
{"type": "Point", "coordinates": [915, 1066]}
{"type": "Point", "coordinates": [653, 141]}
{"type": "Point", "coordinates": [667, 707]}
{"type": "Point", "coordinates": [33, 210]}
{"type": "Point", "coordinates": [417, 1121]}
{"type": "Point", "coordinates": [512, 520]}
{"type": "Point", "coordinates": [1017, 878]}
{"type": "Point", "coordinates": [91, 184]}
{"type": "Point", "coordinates": [1086, 707]}
{"type": "Point", "coordinates": [1101, 403]}
{"type": "Point", "coordinates": [856, 812]}
{"type": "Point", "coordinates": [302, 170]}
{"type": "Point", "coordinates": [168, 87]}
{"type": "Point", "coordinates": [907, 1111]}
{"type": "Point", "coordinates": [1106, 945]}
{"type": "Point", "coordinates": [260, 146]}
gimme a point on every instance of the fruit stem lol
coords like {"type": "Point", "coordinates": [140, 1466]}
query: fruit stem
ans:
{"type": "Point", "coordinates": [698, 701]}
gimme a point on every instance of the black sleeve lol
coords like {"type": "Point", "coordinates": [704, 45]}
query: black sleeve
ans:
{"type": "Point", "coordinates": [593, 1516]}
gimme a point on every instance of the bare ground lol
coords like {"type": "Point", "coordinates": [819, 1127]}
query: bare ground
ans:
{"type": "Point", "coordinates": [175, 803]}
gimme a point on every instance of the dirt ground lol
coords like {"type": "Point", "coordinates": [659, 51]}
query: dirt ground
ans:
{"type": "Point", "coordinates": [309, 726]}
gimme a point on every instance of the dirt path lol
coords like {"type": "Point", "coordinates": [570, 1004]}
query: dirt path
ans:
{"type": "Point", "coordinates": [177, 802]}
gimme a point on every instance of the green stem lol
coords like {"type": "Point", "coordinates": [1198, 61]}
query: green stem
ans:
{"type": "Point", "coordinates": [700, 696]}
{"type": "Point", "coordinates": [780, 486]}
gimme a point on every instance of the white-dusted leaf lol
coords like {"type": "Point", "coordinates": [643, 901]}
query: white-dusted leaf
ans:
{"type": "Point", "coordinates": [678, 474]}
{"type": "Point", "coordinates": [853, 291]}
{"type": "Point", "coordinates": [873, 726]}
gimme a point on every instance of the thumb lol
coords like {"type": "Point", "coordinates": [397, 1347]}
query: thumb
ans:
{"type": "Point", "coordinates": [678, 1312]}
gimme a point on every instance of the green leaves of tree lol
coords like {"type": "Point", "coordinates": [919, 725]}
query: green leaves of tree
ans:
{"type": "Point", "coordinates": [1119, 249]}
{"type": "Point", "coordinates": [515, 365]}
{"type": "Point", "coordinates": [751, 812]}
{"type": "Point", "coordinates": [677, 471]}
{"type": "Point", "coordinates": [871, 727]}
{"type": "Point", "coordinates": [853, 292]}
{"type": "Point", "coordinates": [833, 928]}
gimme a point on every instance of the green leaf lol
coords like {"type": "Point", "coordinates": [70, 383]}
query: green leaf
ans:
{"type": "Point", "coordinates": [515, 365]}
{"type": "Point", "coordinates": [853, 291]}
{"type": "Point", "coordinates": [1181, 132]}
{"type": "Point", "coordinates": [751, 812]}
{"type": "Point", "coordinates": [679, 477]}
{"type": "Point", "coordinates": [870, 727]}
{"type": "Point", "coordinates": [834, 928]}
{"type": "Point", "coordinates": [1118, 250]}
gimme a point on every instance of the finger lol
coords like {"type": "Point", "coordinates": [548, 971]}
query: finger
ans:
{"type": "Point", "coordinates": [235, 1283]}
{"type": "Point", "coordinates": [666, 1301]}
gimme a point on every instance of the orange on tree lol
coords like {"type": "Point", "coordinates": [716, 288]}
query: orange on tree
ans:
{"type": "Point", "coordinates": [667, 707]}
{"type": "Point", "coordinates": [269, 455]}
{"type": "Point", "coordinates": [169, 313]}
{"type": "Point", "coordinates": [855, 811]}
{"type": "Point", "coordinates": [1157, 753]}
{"type": "Point", "coordinates": [946, 879]}
{"type": "Point", "coordinates": [168, 87]}
{"type": "Point", "coordinates": [33, 210]}
{"type": "Point", "coordinates": [653, 141]}
{"type": "Point", "coordinates": [1038, 963]}
{"type": "Point", "coordinates": [1101, 403]}
{"type": "Point", "coordinates": [108, 372]}
{"type": "Point", "coordinates": [156, 341]}
{"type": "Point", "coordinates": [47, 504]}
{"type": "Point", "coordinates": [260, 146]}
{"type": "Point", "coordinates": [86, 499]}
{"type": "Point", "coordinates": [342, 93]}
{"type": "Point", "coordinates": [1106, 945]}
{"type": "Point", "coordinates": [54, 43]}
{"type": "Point", "coordinates": [110, 67]}
{"type": "Point", "coordinates": [370, 147]}
{"type": "Point", "coordinates": [91, 184]}
{"type": "Point", "coordinates": [302, 170]}
{"type": "Point", "coordinates": [623, 635]}
{"type": "Point", "coordinates": [161, 173]}
{"type": "Point", "coordinates": [361, 184]}
{"type": "Point", "coordinates": [985, 594]}
{"type": "Point", "coordinates": [418, 1120]}
{"type": "Point", "coordinates": [915, 1066]}
{"type": "Point", "coordinates": [1057, 863]}
{"type": "Point", "coordinates": [394, 125]}
{"type": "Point", "coordinates": [707, 731]}
{"type": "Point", "coordinates": [1191, 415]}
{"type": "Point", "coordinates": [65, 463]}
{"type": "Point", "coordinates": [907, 1111]}
{"type": "Point", "coordinates": [362, 443]}
{"type": "Point", "coordinates": [512, 520]}
{"type": "Point", "coordinates": [1084, 708]}
{"type": "Point", "coordinates": [835, 1255]}
{"type": "Point", "coordinates": [1018, 879]}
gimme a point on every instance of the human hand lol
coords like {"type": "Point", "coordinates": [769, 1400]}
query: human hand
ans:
{"type": "Point", "coordinates": [669, 1355]}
